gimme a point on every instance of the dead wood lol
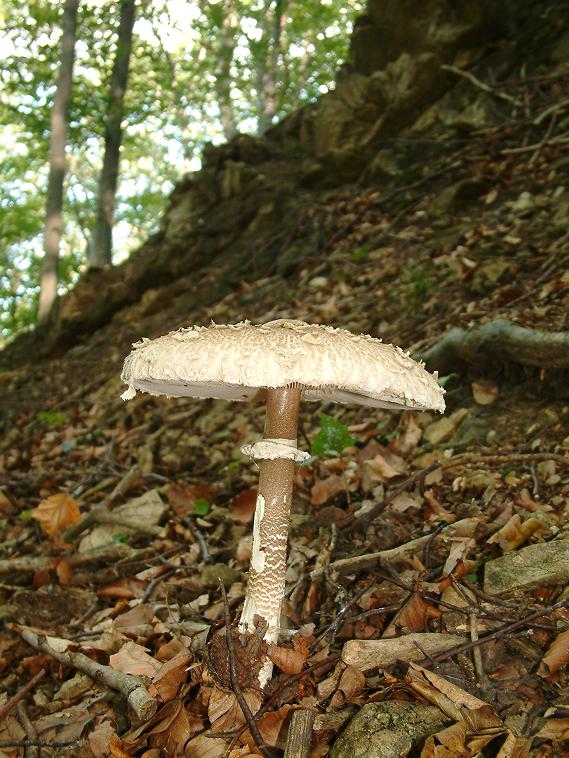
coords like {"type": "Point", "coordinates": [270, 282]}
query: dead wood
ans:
{"type": "Point", "coordinates": [498, 342]}
{"type": "Point", "coordinates": [130, 687]}
{"type": "Point", "coordinates": [299, 738]}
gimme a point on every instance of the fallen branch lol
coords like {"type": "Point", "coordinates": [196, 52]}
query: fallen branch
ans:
{"type": "Point", "coordinates": [460, 460]}
{"type": "Point", "coordinates": [496, 342]}
{"type": "Point", "coordinates": [299, 737]}
{"type": "Point", "coordinates": [109, 555]}
{"type": "Point", "coordinates": [506, 629]}
{"type": "Point", "coordinates": [368, 560]}
{"type": "Point", "coordinates": [130, 687]}
{"type": "Point", "coordinates": [9, 704]}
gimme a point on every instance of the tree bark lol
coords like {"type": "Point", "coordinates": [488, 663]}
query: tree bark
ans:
{"type": "Point", "coordinates": [498, 342]}
{"type": "Point", "coordinates": [101, 249]}
{"type": "Point", "coordinates": [49, 277]}
{"type": "Point", "coordinates": [223, 69]}
{"type": "Point", "coordinates": [267, 65]}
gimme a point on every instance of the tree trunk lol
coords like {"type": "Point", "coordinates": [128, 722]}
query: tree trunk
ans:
{"type": "Point", "coordinates": [267, 65]}
{"type": "Point", "coordinates": [223, 69]}
{"type": "Point", "coordinates": [101, 249]}
{"type": "Point", "coordinates": [49, 278]}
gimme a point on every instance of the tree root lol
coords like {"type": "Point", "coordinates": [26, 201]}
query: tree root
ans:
{"type": "Point", "coordinates": [130, 687]}
{"type": "Point", "coordinates": [498, 341]}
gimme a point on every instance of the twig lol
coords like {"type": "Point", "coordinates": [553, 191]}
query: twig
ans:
{"type": "Point", "coordinates": [15, 699]}
{"type": "Point", "coordinates": [31, 750]}
{"type": "Point", "coordinates": [155, 582]}
{"type": "Point", "coordinates": [506, 629]}
{"type": "Point", "coordinates": [234, 678]}
{"type": "Point", "coordinates": [477, 654]}
{"type": "Point", "coordinates": [131, 687]}
{"type": "Point", "coordinates": [481, 85]}
{"type": "Point", "coordinates": [363, 521]}
{"type": "Point", "coordinates": [459, 460]}
{"type": "Point", "coordinates": [360, 562]}
{"type": "Point", "coordinates": [335, 625]}
{"type": "Point", "coordinates": [200, 539]}
{"type": "Point", "coordinates": [37, 743]}
{"type": "Point", "coordinates": [299, 737]}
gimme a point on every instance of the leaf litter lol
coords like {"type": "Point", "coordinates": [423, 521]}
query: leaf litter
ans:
{"type": "Point", "coordinates": [147, 604]}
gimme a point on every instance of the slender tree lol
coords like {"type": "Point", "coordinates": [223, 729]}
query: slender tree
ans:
{"type": "Point", "coordinates": [223, 79]}
{"type": "Point", "coordinates": [49, 277]}
{"type": "Point", "coordinates": [267, 64]}
{"type": "Point", "coordinates": [101, 248]}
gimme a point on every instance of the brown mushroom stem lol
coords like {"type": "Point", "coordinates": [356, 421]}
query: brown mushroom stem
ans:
{"type": "Point", "coordinates": [265, 588]}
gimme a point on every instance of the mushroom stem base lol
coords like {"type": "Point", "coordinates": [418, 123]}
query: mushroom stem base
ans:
{"type": "Point", "coordinates": [265, 589]}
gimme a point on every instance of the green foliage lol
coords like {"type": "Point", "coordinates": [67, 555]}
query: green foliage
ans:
{"type": "Point", "coordinates": [201, 507]}
{"type": "Point", "coordinates": [53, 418]}
{"type": "Point", "coordinates": [360, 253]}
{"type": "Point", "coordinates": [419, 284]}
{"type": "Point", "coordinates": [332, 437]}
{"type": "Point", "coordinates": [192, 62]}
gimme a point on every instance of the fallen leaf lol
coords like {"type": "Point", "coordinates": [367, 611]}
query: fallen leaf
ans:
{"type": "Point", "coordinates": [451, 739]}
{"type": "Point", "coordinates": [412, 617]}
{"type": "Point", "coordinates": [289, 661]}
{"type": "Point", "coordinates": [352, 681]}
{"type": "Point", "coordinates": [515, 532]}
{"type": "Point", "coordinates": [556, 656]}
{"type": "Point", "coordinates": [64, 571]}
{"type": "Point", "coordinates": [383, 467]}
{"type": "Point", "coordinates": [515, 747]}
{"type": "Point", "coordinates": [104, 741]}
{"type": "Point", "coordinates": [555, 729]}
{"type": "Point", "coordinates": [170, 677]}
{"type": "Point", "coordinates": [325, 489]}
{"type": "Point", "coordinates": [205, 747]}
{"type": "Point", "coordinates": [56, 512]}
{"type": "Point", "coordinates": [484, 392]}
{"type": "Point", "coordinates": [133, 659]}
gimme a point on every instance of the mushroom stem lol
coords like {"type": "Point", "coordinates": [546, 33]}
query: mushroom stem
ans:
{"type": "Point", "coordinates": [265, 588]}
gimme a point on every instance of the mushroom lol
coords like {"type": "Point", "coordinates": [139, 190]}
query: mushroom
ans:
{"type": "Point", "coordinates": [290, 360]}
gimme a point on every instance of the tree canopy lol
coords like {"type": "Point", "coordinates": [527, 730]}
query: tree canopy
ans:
{"type": "Point", "coordinates": [199, 72]}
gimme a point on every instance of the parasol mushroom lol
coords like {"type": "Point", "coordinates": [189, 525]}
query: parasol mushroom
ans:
{"type": "Point", "coordinates": [291, 360]}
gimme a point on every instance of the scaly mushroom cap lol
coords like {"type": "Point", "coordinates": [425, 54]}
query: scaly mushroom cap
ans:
{"type": "Point", "coordinates": [233, 362]}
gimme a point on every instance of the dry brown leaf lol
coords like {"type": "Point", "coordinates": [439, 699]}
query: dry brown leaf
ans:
{"type": "Point", "coordinates": [515, 747]}
{"type": "Point", "coordinates": [383, 467]}
{"type": "Point", "coordinates": [206, 747]}
{"type": "Point", "coordinates": [352, 681]}
{"type": "Point", "coordinates": [448, 743]}
{"type": "Point", "coordinates": [224, 712]}
{"type": "Point", "coordinates": [556, 656]}
{"type": "Point", "coordinates": [484, 392]}
{"type": "Point", "coordinates": [133, 659]}
{"type": "Point", "coordinates": [325, 489]}
{"type": "Point", "coordinates": [168, 680]}
{"type": "Point", "coordinates": [435, 510]}
{"type": "Point", "coordinates": [412, 434]}
{"type": "Point", "coordinates": [56, 512]}
{"type": "Point", "coordinates": [105, 742]}
{"type": "Point", "coordinates": [172, 734]}
{"type": "Point", "coordinates": [413, 616]}
{"type": "Point", "coordinates": [515, 532]}
{"type": "Point", "coordinates": [459, 550]}
{"type": "Point", "coordinates": [242, 506]}
{"type": "Point", "coordinates": [555, 729]}
{"type": "Point", "coordinates": [289, 661]}
{"type": "Point", "coordinates": [270, 726]}
{"type": "Point", "coordinates": [63, 570]}
{"type": "Point", "coordinates": [454, 701]}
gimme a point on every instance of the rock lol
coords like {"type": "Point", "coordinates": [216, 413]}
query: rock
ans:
{"type": "Point", "coordinates": [487, 276]}
{"type": "Point", "coordinates": [387, 730]}
{"type": "Point", "coordinates": [211, 575]}
{"type": "Point", "coordinates": [369, 654]}
{"type": "Point", "coordinates": [391, 27]}
{"type": "Point", "coordinates": [534, 566]}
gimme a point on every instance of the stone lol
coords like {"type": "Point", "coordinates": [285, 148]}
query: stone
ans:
{"type": "Point", "coordinates": [369, 654]}
{"type": "Point", "coordinates": [541, 565]}
{"type": "Point", "coordinates": [387, 730]}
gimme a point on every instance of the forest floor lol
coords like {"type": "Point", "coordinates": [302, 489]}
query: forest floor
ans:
{"type": "Point", "coordinates": [446, 612]}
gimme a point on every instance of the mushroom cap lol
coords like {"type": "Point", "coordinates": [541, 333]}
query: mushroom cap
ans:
{"type": "Point", "coordinates": [235, 361]}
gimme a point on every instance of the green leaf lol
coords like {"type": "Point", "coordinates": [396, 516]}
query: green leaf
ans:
{"type": "Point", "coordinates": [201, 507]}
{"type": "Point", "coordinates": [332, 438]}
{"type": "Point", "coordinates": [120, 538]}
{"type": "Point", "coordinates": [51, 417]}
